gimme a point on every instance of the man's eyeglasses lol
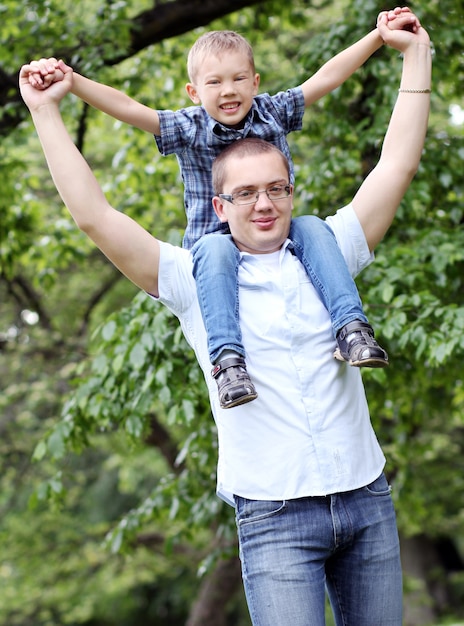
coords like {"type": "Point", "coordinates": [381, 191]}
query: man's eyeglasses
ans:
{"type": "Point", "coordinates": [250, 196]}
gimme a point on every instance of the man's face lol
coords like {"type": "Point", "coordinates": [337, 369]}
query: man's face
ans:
{"type": "Point", "coordinates": [225, 86]}
{"type": "Point", "coordinates": [263, 226]}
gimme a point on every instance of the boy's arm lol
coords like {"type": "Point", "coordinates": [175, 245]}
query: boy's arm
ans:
{"type": "Point", "coordinates": [116, 103]}
{"type": "Point", "coordinates": [380, 194]}
{"type": "Point", "coordinates": [130, 247]}
{"type": "Point", "coordinates": [338, 69]}
{"type": "Point", "coordinates": [44, 72]}
{"type": "Point", "coordinates": [333, 73]}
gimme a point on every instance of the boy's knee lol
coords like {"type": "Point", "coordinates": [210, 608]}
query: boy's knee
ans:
{"type": "Point", "coordinates": [220, 248]}
{"type": "Point", "coordinates": [309, 224]}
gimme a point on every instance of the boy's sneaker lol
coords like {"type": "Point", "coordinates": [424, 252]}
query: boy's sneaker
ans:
{"type": "Point", "coordinates": [234, 384]}
{"type": "Point", "coordinates": [357, 346]}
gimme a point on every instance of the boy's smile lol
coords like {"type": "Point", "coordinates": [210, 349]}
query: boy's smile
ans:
{"type": "Point", "coordinates": [225, 86]}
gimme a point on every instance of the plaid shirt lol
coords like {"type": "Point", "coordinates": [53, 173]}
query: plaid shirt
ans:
{"type": "Point", "coordinates": [196, 139]}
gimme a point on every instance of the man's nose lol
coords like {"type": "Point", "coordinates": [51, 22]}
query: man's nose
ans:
{"type": "Point", "coordinates": [263, 203]}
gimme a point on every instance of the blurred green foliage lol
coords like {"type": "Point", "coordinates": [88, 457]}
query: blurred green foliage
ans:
{"type": "Point", "coordinates": [100, 524]}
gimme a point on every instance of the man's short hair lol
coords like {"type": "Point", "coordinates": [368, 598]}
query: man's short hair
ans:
{"type": "Point", "coordinates": [216, 43]}
{"type": "Point", "coordinates": [251, 146]}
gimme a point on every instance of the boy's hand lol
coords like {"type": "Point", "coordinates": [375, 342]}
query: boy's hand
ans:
{"type": "Point", "coordinates": [400, 18]}
{"type": "Point", "coordinates": [44, 72]}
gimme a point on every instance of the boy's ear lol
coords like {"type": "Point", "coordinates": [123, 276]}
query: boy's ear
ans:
{"type": "Point", "coordinates": [218, 206]}
{"type": "Point", "coordinates": [192, 93]}
{"type": "Point", "coordinates": [256, 80]}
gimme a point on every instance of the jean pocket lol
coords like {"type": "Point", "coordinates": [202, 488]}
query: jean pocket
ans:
{"type": "Point", "coordinates": [248, 511]}
{"type": "Point", "coordinates": [379, 487]}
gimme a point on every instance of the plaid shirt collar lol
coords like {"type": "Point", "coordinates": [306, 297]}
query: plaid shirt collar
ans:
{"type": "Point", "coordinates": [218, 134]}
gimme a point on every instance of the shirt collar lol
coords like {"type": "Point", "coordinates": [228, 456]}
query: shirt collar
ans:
{"type": "Point", "coordinates": [218, 134]}
{"type": "Point", "coordinates": [287, 245]}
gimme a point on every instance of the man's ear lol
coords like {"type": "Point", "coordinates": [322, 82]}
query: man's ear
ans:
{"type": "Point", "coordinates": [218, 206]}
{"type": "Point", "coordinates": [192, 93]}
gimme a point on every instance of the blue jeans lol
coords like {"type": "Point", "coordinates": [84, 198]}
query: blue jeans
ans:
{"type": "Point", "coordinates": [347, 543]}
{"type": "Point", "coordinates": [215, 267]}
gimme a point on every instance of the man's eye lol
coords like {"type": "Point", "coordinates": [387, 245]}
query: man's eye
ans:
{"type": "Point", "coordinates": [276, 190]}
{"type": "Point", "coordinates": [244, 194]}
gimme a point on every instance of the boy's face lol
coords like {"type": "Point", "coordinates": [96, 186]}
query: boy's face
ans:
{"type": "Point", "coordinates": [264, 225]}
{"type": "Point", "coordinates": [225, 86]}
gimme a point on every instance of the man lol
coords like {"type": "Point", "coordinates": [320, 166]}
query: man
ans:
{"type": "Point", "coordinates": [301, 464]}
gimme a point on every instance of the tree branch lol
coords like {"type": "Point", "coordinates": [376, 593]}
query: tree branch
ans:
{"type": "Point", "coordinates": [163, 21]}
{"type": "Point", "coordinates": [171, 19]}
{"type": "Point", "coordinates": [103, 289]}
{"type": "Point", "coordinates": [160, 438]}
{"type": "Point", "coordinates": [25, 296]}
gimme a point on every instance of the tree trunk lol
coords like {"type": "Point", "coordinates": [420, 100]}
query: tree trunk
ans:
{"type": "Point", "coordinates": [217, 590]}
{"type": "Point", "coordinates": [426, 594]}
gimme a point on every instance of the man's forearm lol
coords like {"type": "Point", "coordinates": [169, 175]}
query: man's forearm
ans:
{"type": "Point", "coordinates": [71, 174]}
{"type": "Point", "coordinates": [408, 124]}
{"type": "Point", "coordinates": [381, 193]}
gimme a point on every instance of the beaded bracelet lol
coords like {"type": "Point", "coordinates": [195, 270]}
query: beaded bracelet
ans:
{"type": "Point", "coordinates": [415, 90]}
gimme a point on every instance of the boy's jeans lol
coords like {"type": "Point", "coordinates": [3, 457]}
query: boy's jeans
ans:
{"type": "Point", "coordinates": [215, 267]}
{"type": "Point", "coordinates": [347, 543]}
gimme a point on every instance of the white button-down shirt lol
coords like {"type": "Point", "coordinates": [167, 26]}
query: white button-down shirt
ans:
{"type": "Point", "coordinates": [309, 432]}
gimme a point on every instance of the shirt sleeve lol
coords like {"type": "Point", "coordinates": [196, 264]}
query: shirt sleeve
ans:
{"type": "Point", "coordinates": [351, 239]}
{"type": "Point", "coordinates": [176, 285]}
{"type": "Point", "coordinates": [177, 130]}
{"type": "Point", "coordinates": [289, 108]}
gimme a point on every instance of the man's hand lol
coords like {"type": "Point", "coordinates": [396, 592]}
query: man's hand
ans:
{"type": "Point", "coordinates": [400, 18]}
{"type": "Point", "coordinates": [44, 82]}
{"type": "Point", "coordinates": [400, 28]}
{"type": "Point", "coordinates": [44, 72]}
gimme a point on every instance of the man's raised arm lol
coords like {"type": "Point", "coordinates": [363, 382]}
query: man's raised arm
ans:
{"type": "Point", "coordinates": [380, 194]}
{"type": "Point", "coordinates": [132, 250]}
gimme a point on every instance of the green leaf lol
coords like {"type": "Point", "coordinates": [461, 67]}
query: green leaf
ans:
{"type": "Point", "coordinates": [40, 451]}
{"type": "Point", "coordinates": [137, 356]}
{"type": "Point", "coordinates": [109, 330]}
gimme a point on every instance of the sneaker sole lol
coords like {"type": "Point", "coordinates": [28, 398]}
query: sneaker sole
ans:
{"type": "Point", "coordinates": [239, 401]}
{"type": "Point", "coordinates": [365, 363]}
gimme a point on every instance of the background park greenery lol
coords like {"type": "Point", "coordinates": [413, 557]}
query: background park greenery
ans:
{"type": "Point", "coordinates": [107, 448]}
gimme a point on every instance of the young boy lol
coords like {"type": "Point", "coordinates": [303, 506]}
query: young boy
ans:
{"type": "Point", "coordinates": [224, 84]}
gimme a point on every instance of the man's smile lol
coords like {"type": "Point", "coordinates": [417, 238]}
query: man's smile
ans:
{"type": "Point", "coordinates": [265, 222]}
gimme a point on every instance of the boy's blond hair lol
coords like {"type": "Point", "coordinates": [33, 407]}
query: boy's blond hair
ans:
{"type": "Point", "coordinates": [215, 43]}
